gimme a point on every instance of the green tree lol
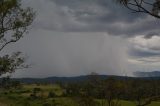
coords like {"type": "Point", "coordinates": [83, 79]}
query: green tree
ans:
{"type": "Point", "coordinates": [114, 90]}
{"type": "Point", "coordinates": [144, 92]}
{"type": "Point", "coordinates": [5, 83]}
{"type": "Point", "coordinates": [51, 94]}
{"type": "Point", "coordinates": [14, 23]}
{"type": "Point", "coordinates": [151, 7]}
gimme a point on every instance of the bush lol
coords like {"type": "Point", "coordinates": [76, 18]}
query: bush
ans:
{"type": "Point", "coordinates": [35, 90]}
{"type": "Point", "coordinates": [5, 93]}
{"type": "Point", "coordinates": [33, 96]}
{"type": "Point", "coordinates": [47, 104]}
{"type": "Point", "coordinates": [51, 94]}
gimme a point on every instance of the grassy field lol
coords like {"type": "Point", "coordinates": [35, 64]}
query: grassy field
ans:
{"type": "Point", "coordinates": [22, 97]}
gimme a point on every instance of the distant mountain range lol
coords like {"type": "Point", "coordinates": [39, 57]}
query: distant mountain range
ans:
{"type": "Point", "coordinates": [147, 74]}
{"type": "Point", "coordinates": [64, 79]}
{"type": "Point", "coordinates": [143, 75]}
{"type": "Point", "coordinates": [57, 79]}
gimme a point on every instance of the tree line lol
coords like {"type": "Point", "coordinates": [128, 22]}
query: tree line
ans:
{"type": "Point", "coordinates": [111, 91]}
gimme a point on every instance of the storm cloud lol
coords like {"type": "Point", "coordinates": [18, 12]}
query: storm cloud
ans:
{"type": "Point", "coordinates": [93, 16]}
{"type": "Point", "coordinates": [77, 37]}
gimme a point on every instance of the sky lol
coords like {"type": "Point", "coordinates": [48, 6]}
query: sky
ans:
{"type": "Point", "coordinates": [77, 37]}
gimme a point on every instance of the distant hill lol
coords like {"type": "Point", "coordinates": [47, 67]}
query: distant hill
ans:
{"type": "Point", "coordinates": [147, 74]}
{"type": "Point", "coordinates": [56, 79]}
{"type": "Point", "coordinates": [142, 75]}
{"type": "Point", "coordinates": [64, 79]}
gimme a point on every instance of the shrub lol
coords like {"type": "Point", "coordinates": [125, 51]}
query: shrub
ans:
{"type": "Point", "coordinates": [51, 94]}
{"type": "Point", "coordinates": [47, 104]}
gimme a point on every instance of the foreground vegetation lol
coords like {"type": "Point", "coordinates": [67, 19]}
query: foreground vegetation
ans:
{"type": "Point", "coordinates": [92, 92]}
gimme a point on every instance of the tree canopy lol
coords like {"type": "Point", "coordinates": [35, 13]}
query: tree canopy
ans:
{"type": "Point", "coordinates": [14, 22]}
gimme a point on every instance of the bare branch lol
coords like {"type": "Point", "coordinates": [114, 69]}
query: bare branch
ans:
{"type": "Point", "coordinates": [140, 6]}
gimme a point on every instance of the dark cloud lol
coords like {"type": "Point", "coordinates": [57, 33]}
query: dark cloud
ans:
{"type": "Point", "coordinates": [143, 53]}
{"type": "Point", "coordinates": [76, 37]}
{"type": "Point", "coordinates": [150, 61]}
{"type": "Point", "coordinates": [151, 34]}
{"type": "Point", "coordinates": [104, 16]}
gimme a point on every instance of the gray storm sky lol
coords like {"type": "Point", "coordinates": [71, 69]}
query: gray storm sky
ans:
{"type": "Point", "coordinates": [77, 37]}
